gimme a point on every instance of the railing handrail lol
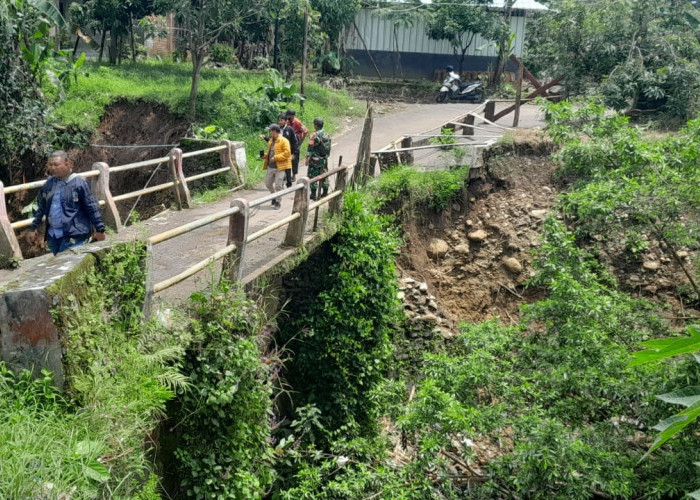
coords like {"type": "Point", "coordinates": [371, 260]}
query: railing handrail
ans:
{"type": "Point", "coordinates": [179, 183]}
{"type": "Point", "coordinates": [300, 212]}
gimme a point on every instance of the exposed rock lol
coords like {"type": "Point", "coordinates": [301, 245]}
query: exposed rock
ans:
{"type": "Point", "coordinates": [400, 295]}
{"type": "Point", "coordinates": [651, 265]}
{"type": "Point", "coordinates": [512, 265]}
{"type": "Point", "coordinates": [539, 214]}
{"type": "Point", "coordinates": [423, 287]}
{"type": "Point", "coordinates": [469, 222]}
{"type": "Point", "coordinates": [682, 254]}
{"type": "Point", "coordinates": [429, 318]}
{"type": "Point", "coordinates": [546, 189]}
{"type": "Point", "coordinates": [445, 334]}
{"type": "Point", "coordinates": [477, 236]}
{"type": "Point", "coordinates": [437, 248]}
{"type": "Point", "coordinates": [462, 248]}
{"type": "Point", "coordinates": [432, 305]}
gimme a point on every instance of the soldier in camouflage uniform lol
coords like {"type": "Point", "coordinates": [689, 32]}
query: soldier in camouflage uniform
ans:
{"type": "Point", "coordinates": [317, 156]}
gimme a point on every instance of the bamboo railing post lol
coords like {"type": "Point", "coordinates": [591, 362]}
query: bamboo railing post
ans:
{"type": "Point", "coordinates": [340, 182]}
{"type": "Point", "coordinates": [182, 193]}
{"type": "Point", "coordinates": [237, 234]}
{"type": "Point", "coordinates": [9, 246]}
{"type": "Point", "coordinates": [100, 189]}
{"type": "Point", "coordinates": [295, 230]}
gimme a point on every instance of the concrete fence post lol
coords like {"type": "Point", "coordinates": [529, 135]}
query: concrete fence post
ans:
{"type": "Point", "coordinates": [182, 193]}
{"type": "Point", "coordinates": [239, 161]}
{"type": "Point", "coordinates": [9, 246]}
{"type": "Point", "coordinates": [490, 110]}
{"type": "Point", "coordinates": [407, 142]}
{"type": "Point", "coordinates": [148, 298]}
{"type": "Point", "coordinates": [469, 121]}
{"type": "Point", "coordinates": [237, 234]}
{"type": "Point", "coordinates": [228, 160]}
{"type": "Point", "coordinates": [341, 180]}
{"type": "Point", "coordinates": [100, 189]}
{"type": "Point", "coordinates": [295, 229]}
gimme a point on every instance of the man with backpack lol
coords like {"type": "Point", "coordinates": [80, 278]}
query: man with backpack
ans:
{"type": "Point", "coordinates": [300, 130]}
{"type": "Point", "coordinates": [317, 156]}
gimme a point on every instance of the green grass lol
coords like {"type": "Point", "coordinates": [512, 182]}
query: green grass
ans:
{"type": "Point", "coordinates": [227, 98]}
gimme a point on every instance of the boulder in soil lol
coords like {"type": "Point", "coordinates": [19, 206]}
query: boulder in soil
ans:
{"type": "Point", "coordinates": [438, 248]}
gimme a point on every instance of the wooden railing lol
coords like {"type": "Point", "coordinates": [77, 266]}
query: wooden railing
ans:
{"type": "Point", "coordinates": [239, 235]}
{"type": "Point", "coordinates": [100, 178]}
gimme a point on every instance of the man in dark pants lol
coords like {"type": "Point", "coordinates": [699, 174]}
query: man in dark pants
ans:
{"type": "Point", "coordinates": [317, 156]}
{"type": "Point", "coordinates": [300, 130]}
{"type": "Point", "coordinates": [70, 208]}
{"type": "Point", "coordinates": [288, 133]}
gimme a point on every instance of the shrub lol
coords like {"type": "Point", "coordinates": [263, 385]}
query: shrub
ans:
{"type": "Point", "coordinates": [221, 53]}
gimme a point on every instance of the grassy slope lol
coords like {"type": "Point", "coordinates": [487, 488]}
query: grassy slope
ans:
{"type": "Point", "coordinates": [224, 98]}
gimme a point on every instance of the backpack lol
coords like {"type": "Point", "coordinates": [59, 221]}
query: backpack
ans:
{"type": "Point", "coordinates": [324, 144]}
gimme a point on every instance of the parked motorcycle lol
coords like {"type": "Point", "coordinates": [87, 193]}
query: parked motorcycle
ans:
{"type": "Point", "coordinates": [454, 90]}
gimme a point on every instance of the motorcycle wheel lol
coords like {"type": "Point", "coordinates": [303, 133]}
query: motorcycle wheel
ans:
{"type": "Point", "coordinates": [480, 96]}
{"type": "Point", "coordinates": [441, 97]}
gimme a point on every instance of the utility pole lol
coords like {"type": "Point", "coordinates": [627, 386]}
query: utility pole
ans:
{"type": "Point", "coordinates": [304, 50]}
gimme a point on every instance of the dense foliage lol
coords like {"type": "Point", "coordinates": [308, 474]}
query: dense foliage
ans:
{"type": "Point", "coordinates": [221, 419]}
{"type": "Point", "coordinates": [93, 441]}
{"type": "Point", "coordinates": [342, 342]}
{"type": "Point", "coordinates": [642, 55]}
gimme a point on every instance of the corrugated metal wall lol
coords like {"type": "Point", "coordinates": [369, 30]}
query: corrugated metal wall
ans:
{"type": "Point", "coordinates": [377, 33]}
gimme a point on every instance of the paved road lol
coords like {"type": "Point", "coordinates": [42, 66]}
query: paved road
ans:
{"type": "Point", "coordinates": [176, 255]}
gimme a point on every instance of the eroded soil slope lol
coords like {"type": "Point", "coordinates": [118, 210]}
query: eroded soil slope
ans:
{"type": "Point", "coordinates": [476, 258]}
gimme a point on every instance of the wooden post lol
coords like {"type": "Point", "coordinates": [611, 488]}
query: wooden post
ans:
{"type": "Point", "coordinates": [407, 156]}
{"type": "Point", "coordinates": [100, 189]}
{"type": "Point", "coordinates": [539, 91]}
{"type": "Point", "coordinates": [182, 193]}
{"type": "Point", "coordinates": [518, 95]}
{"type": "Point", "coordinates": [336, 203]}
{"type": "Point", "coordinates": [362, 164]}
{"type": "Point", "coordinates": [295, 229]}
{"type": "Point", "coordinates": [490, 110]}
{"type": "Point", "coordinates": [237, 234]}
{"type": "Point", "coordinates": [9, 246]}
{"type": "Point", "coordinates": [468, 121]}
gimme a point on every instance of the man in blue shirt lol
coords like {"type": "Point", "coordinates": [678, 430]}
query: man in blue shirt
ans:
{"type": "Point", "coordinates": [69, 206]}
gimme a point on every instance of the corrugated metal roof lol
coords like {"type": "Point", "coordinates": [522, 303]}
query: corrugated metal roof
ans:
{"type": "Point", "coordinates": [521, 4]}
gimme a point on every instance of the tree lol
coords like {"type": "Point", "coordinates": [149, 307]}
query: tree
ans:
{"type": "Point", "coordinates": [26, 48]}
{"type": "Point", "coordinates": [460, 23]}
{"type": "Point", "coordinates": [643, 56]}
{"type": "Point", "coordinates": [202, 22]}
{"type": "Point", "coordinates": [401, 16]}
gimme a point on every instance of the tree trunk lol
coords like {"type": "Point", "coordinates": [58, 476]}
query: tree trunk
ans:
{"type": "Point", "coordinates": [75, 47]}
{"type": "Point", "coordinates": [102, 44]}
{"type": "Point", "coordinates": [113, 46]}
{"type": "Point", "coordinates": [275, 47]}
{"type": "Point", "coordinates": [133, 44]}
{"type": "Point", "coordinates": [197, 60]}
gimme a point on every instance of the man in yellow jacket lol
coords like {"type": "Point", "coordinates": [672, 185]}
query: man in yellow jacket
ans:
{"type": "Point", "coordinates": [277, 160]}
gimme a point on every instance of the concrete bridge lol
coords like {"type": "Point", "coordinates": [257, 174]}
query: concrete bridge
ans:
{"type": "Point", "coordinates": [186, 246]}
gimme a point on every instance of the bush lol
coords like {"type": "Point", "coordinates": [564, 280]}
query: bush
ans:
{"type": "Point", "coordinates": [221, 53]}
